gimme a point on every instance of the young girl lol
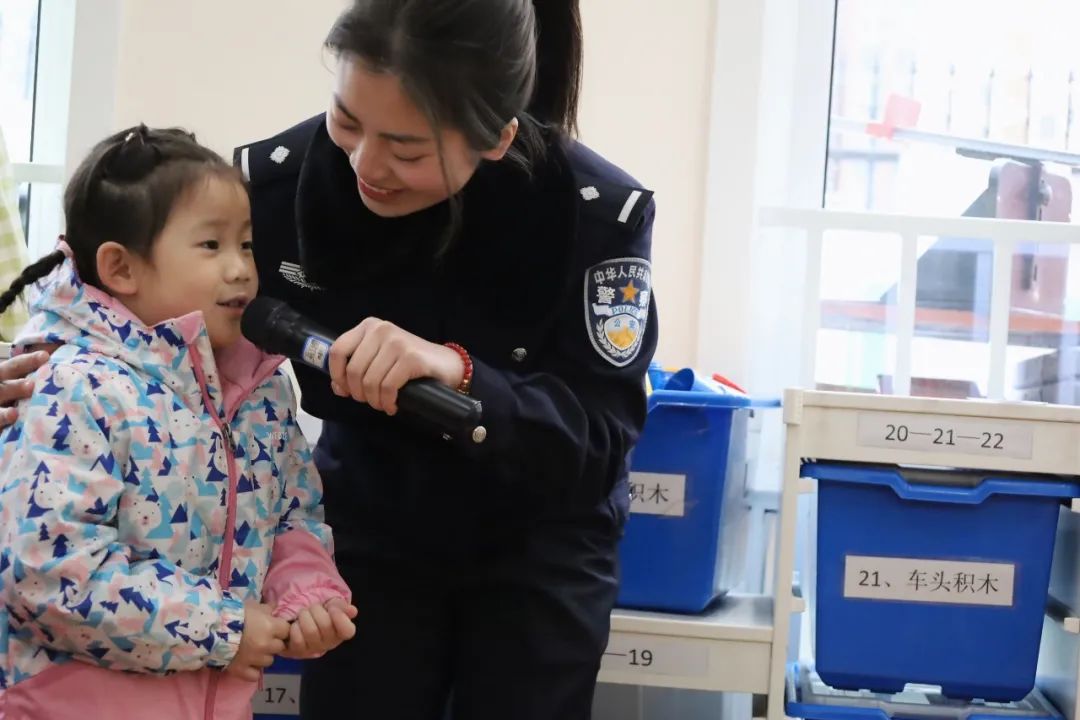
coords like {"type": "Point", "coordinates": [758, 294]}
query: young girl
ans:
{"type": "Point", "coordinates": [156, 488]}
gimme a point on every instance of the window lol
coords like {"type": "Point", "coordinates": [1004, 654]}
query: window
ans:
{"type": "Point", "coordinates": [965, 108]}
{"type": "Point", "coordinates": [36, 43]}
{"type": "Point", "coordinates": [18, 53]}
{"type": "Point", "coordinates": [18, 60]}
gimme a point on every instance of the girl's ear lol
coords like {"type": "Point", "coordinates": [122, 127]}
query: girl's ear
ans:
{"type": "Point", "coordinates": [117, 269]}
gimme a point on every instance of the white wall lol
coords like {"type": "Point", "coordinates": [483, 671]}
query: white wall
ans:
{"type": "Point", "coordinates": [645, 106]}
{"type": "Point", "coordinates": [214, 68]}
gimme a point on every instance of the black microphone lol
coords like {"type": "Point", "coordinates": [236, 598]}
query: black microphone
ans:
{"type": "Point", "coordinates": [277, 328]}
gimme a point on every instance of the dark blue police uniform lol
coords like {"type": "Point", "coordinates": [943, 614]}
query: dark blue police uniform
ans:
{"type": "Point", "coordinates": [486, 570]}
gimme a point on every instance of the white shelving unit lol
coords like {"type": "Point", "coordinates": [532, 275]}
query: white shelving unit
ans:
{"type": "Point", "coordinates": [743, 646]}
{"type": "Point", "coordinates": [727, 650]}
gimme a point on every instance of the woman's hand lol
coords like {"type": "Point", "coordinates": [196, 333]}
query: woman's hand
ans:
{"type": "Point", "coordinates": [13, 383]}
{"type": "Point", "coordinates": [319, 629]}
{"type": "Point", "coordinates": [371, 362]}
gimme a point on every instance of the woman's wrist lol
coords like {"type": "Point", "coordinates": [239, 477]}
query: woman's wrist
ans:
{"type": "Point", "coordinates": [461, 378]}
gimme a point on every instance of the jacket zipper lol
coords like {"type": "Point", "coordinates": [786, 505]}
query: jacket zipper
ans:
{"type": "Point", "coordinates": [230, 504]}
{"type": "Point", "coordinates": [225, 573]}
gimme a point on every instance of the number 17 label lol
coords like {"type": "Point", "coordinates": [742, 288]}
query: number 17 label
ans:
{"type": "Point", "coordinates": [279, 695]}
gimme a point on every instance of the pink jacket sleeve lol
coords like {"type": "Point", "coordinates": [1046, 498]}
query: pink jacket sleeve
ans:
{"type": "Point", "coordinates": [302, 570]}
{"type": "Point", "coordinates": [302, 573]}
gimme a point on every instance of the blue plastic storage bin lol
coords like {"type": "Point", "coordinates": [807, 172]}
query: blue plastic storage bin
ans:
{"type": "Point", "coordinates": [697, 439]}
{"type": "Point", "coordinates": [893, 605]}
{"type": "Point", "coordinates": [279, 695]}
{"type": "Point", "coordinates": [810, 699]}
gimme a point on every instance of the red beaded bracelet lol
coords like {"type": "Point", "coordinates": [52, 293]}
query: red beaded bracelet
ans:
{"type": "Point", "coordinates": [466, 379]}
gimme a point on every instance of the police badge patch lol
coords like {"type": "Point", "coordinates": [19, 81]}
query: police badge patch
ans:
{"type": "Point", "coordinates": [617, 307]}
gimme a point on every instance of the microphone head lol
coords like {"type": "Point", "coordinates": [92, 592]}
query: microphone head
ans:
{"type": "Point", "coordinates": [258, 321]}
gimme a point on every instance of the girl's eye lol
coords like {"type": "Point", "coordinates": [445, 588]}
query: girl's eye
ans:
{"type": "Point", "coordinates": [410, 159]}
{"type": "Point", "coordinates": [209, 244]}
{"type": "Point", "coordinates": [247, 245]}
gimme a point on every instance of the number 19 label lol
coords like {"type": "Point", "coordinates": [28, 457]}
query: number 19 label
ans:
{"type": "Point", "coordinates": [944, 434]}
{"type": "Point", "coordinates": [652, 655]}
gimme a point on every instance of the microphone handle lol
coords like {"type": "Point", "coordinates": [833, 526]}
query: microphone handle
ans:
{"type": "Point", "coordinates": [453, 413]}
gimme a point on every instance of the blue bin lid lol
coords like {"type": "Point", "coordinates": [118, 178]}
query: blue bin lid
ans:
{"type": "Point", "coordinates": [686, 389]}
{"type": "Point", "coordinates": [695, 398]}
{"type": "Point", "coordinates": [966, 487]}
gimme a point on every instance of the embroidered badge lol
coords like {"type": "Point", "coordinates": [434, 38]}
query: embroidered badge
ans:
{"type": "Point", "coordinates": [294, 273]}
{"type": "Point", "coordinates": [280, 153]}
{"type": "Point", "coordinates": [617, 307]}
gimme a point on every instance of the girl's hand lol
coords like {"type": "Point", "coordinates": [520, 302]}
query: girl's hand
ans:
{"type": "Point", "coordinates": [371, 362]}
{"type": "Point", "coordinates": [263, 637]}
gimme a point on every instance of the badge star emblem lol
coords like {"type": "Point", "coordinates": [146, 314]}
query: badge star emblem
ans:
{"type": "Point", "coordinates": [629, 293]}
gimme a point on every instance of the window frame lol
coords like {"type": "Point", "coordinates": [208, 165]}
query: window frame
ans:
{"type": "Point", "coordinates": [85, 91]}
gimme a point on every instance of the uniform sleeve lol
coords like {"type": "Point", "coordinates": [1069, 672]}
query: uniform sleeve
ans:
{"type": "Point", "coordinates": [302, 570]}
{"type": "Point", "coordinates": [76, 587]}
{"type": "Point", "coordinates": [571, 423]}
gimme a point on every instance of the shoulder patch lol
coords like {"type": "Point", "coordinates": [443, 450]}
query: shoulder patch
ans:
{"type": "Point", "coordinates": [619, 204]}
{"type": "Point", "coordinates": [268, 160]}
{"type": "Point", "coordinates": [279, 156]}
{"type": "Point", "coordinates": [617, 295]}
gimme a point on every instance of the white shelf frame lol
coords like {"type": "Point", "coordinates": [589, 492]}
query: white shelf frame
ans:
{"type": "Point", "coordinates": [747, 638]}
{"type": "Point", "coordinates": [727, 650]}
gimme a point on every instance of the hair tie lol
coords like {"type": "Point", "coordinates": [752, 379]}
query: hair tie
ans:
{"type": "Point", "coordinates": [134, 158]}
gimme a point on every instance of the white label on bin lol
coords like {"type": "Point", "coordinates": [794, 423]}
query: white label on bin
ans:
{"type": "Point", "coordinates": [658, 494]}
{"type": "Point", "coordinates": [650, 655]}
{"type": "Point", "coordinates": [945, 434]}
{"type": "Point", "coordinates": [279, 695]}
{"type": "Point", "coordinates": [932, 581]}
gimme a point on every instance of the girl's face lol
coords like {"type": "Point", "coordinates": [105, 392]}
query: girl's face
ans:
{"type": "Point", "coordinates": [392, 147]}
{"type": "Point", "coordinates": [201, 261]}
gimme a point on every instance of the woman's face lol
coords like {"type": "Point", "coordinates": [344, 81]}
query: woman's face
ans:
{"type": "Point", "coordinates": [392, 147]}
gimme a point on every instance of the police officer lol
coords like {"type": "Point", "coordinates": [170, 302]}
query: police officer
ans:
{"type": "Point", "coordinates": [439, 218]}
